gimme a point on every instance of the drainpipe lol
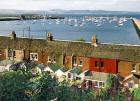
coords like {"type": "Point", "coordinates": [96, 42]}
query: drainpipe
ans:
{"type": "Point", "coordinates": [72, 61]}
{"type": "Point", "coordinates": [7, 53]}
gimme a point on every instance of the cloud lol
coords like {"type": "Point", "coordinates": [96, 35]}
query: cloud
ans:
{"type": "Point", "coordinates": [125, 5]}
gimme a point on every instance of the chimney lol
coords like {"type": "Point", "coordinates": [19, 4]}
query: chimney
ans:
{"type": "Point", "coordinates": [49, 37]}
{"type": "Point", "coordinates": [13, 35]}
{"type": "Point", "coordinates": [94, 40]}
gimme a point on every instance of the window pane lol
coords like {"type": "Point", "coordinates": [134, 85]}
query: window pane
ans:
{"type": "Point", "coordinates": [100, 84]}
{"type": "Point", "coordinates": [96, 83]}
{"type": "Point", "coordinates": [49, 59]}
{"type": "Point", "coordinates": [75, 62]}
{"type": "Point", "coordinates": [0, 51]}
{"type": "Point", "coordinates": [96, 63]}
{"type": "Point", "coordinates": [102, 64]}
{"type": "Point", "coordinates": [133, 67]}
{"type": "Point", "coordinates": [69, 75]}
{"type": "Point", "coordinates": [14, 54]}
{"type": "Point", "coordinates": [81, 62]}
{"type": "Point", "coordinates": [103, 84]}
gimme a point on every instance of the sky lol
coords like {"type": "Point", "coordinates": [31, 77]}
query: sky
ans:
{"type": "Point", "coordinates": [111, 5]}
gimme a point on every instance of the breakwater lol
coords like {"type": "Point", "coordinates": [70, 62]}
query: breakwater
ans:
{"type": "Point", "coordinates": [9, 18]}
{"type": "Point", "coordinates": [136, 23]}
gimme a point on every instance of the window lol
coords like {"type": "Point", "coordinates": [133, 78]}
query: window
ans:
{"type": "Point", "coordinates": [75, 61]}
{"type": "Point", "coordinates": [63, 59]}
{"type": "Point", "coordinates": [96, 63]}
{"type": "Point", "coordinates": [34, 56]}
{"type": "Point", "coordinates": [78, 78]}
{"type": "Point", "coordinates": [80, 63]}
{"type": "Point", "coordinates": [53, 59]}
{"type": "Point", "coordinates": [133, 68]}
{"type": "Point", "coordinates": [96, 83]}
{"type": "Point", "coordinates": [102, 64]}
{"type": "Point", "coordinates": [49, 59]}
{"type": "Point", "coordinates": [103, 84]}
{"type": "Point", "coordinates": [130, 84]}
{"type": "Point", "coordinates": [69, 75]}
{"type": "Point", "coordinates": [0, 52]}
{"type": "Point", "coordinates": [100, 84]}
{"type": "Point", "coordinates": [90, 83]}
{"type": "Point", "coordinates": [14, 54]}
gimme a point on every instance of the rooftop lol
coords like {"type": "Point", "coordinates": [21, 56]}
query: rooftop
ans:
{"type": "Point", "coordinates": [106, 51]}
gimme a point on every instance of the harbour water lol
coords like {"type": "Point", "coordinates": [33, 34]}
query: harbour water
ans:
{"type": "Point", "coordinates": [75, 26]}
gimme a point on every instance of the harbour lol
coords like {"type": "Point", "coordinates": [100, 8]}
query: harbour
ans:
{"type": "Point", "coordinates": [108, 29]}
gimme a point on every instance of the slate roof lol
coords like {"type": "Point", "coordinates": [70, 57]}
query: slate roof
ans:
{"type": "Point", "coordinates": [7, 62]}
{"type": "Point", "coordinates": [54, 67]}
{"type": "Point", "coordinates": [97, 76]}
{"type": "Point", "coordinates": [76, 70]}
{"type": "Point", "coordinates": [41, 66]}
{"type": "Point", "coordinates": [63, 69]}
{"type": "Point", "coordinates": [106, 51]}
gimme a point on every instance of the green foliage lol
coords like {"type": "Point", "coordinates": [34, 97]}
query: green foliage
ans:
{"type": "Point", "coordinates": [79, 39]}
{"type": "Point", "coordinates": [23, 86]}
{"type": "Point", "coordinates": [46, 89]}
{"type": "Point", "coordinates": [120, 97]}
{"type": "Point", "coordinates": [137, 94]}
{"type": "Point", "coordinates": [13, 86]}
{"type": "Point", "coordinates": [88, 95]}
{"type": "Point", "coordinates": [64, 92]}
{"type": "Point", "coordinates": [109, 81]}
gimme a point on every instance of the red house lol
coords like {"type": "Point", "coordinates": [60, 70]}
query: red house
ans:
{"type": "Point", "coordinates": [103, 65]}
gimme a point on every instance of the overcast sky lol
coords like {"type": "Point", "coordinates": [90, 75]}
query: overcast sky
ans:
{"type": "Point", "coordinates": [116, 5]}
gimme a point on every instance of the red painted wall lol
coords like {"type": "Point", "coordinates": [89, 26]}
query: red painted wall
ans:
{"type": "Point", "coordinates": [110, 66]}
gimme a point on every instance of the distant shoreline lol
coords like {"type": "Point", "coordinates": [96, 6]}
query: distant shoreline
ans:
{"type": "Point", "coordinates": [27, 17]}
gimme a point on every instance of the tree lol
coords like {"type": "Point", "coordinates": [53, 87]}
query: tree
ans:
{"type": "Point", "coordinates": [46, 89]}
{"type": "Point", "coordinates": [64, 92]}
{"type": "Point", "coordinates": [109, 81]}
{"type": "Point", "coordinates": [79, 39]}
{"type": "Point", "coordinates": [13, 86]}
{"type": "Point", "coordinates": [137, 94]}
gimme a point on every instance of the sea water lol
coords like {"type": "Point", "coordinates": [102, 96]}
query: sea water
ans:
{"type": "Point", "coordinates": [67, 30]}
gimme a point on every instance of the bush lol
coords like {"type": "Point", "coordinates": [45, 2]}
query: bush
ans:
{"type": "Point", "coordinates": [13, 86]}
{"type": "Point", "coordinates": [79, 39]}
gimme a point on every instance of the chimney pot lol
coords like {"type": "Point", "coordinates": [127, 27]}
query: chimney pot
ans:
{"type": "Point", "coordinates": [49, 37]}
{"type": "Point", "coordinates": [13, 35]}
{"type": "Point", "coordinates": [94, 40]}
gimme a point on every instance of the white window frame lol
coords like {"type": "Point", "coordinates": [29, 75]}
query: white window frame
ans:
{"type": "Point", "coordinates": [35, 58]}
{"type": "Point", "coordinates": [80, 64]}
{"type": "Point", "coordinates": [75, 62]}
{"type": "Point", "coordinates": [14, 54]}
{"type": "Point", "coordinates": [133, 67]}
{"type": "Point", "coordinates": [54, 59]}
{"type": "Point", "coordinates": [49, 59]}
{"type": "Point", "coordinates": [0, 52]}
{"type": "Point", "coordinates": [139, 68]}
{"type": "Point", "coordinates": [98, 83]}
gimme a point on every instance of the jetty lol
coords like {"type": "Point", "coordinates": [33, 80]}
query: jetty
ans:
{"type": "Point", "coordinates": [136, 23]}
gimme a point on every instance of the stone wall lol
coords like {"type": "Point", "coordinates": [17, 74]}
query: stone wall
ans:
{"type": "Point", "coordinates": [136, 25]}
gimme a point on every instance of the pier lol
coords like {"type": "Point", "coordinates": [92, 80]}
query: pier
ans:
{"type": "Point", "coordinates": [136, 23]}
